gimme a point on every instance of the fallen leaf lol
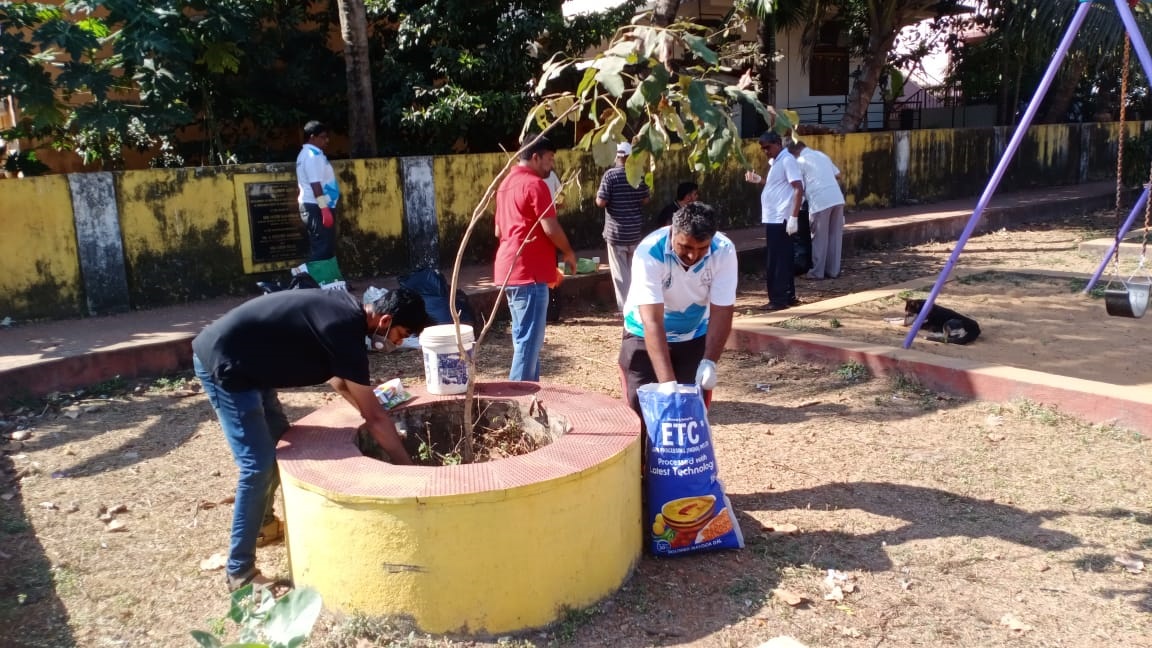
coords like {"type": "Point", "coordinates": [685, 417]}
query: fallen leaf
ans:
{"type": "Point", "coordinates": [204, 505]}
{"type": "Point", "coordinates": [850, 632]}
{"type": "Point", "coordinates": [835, 594]}
{"type": "Point", "coordinates": [791, 598]}
{"type": "Point", "coordinates": [214, 562]}
{"type": "Point", "coordinates": [105, 517]}
{"type": "Point", "coordinates": [1130, 565]}
{"type": "Point", "coordinates": [231, 499]}
{"type": "Point", "coordinates": [1014, 624]}
{"type": "Point", "coordinates": [119, 508]}
{"type": "Point", "coordinates": [116, 525]}
{"type": "Point", "coordinates": [51, 506]}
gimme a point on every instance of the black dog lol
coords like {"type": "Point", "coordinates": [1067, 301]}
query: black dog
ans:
{"type": "Point", "coordinates": [946, 325]}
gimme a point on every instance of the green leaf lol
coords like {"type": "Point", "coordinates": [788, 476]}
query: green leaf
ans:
{"type": "Point", "coordinates": [671, 120]}
{"type": "Point", "coordinates": [636, 102]}
{"type": "Point", "coordinates": [586, 141]}
{"type": "Point", "coordinates": [702, 108]}
{"type": "Point", "coordinates": [622, 48]}
{"type": "Point", "coordinates": [552, 69]}
{"type": "Point", "coordinates": [612, 82]}
{"type": "Point", "coordinates": [750, 98]}
{"type": "Point", "coordinates": [636, 166]}
{"type": "Point", "coordinates": [699, 47]}
{"type": "Point", "coordinates": [604, 152]}
{"type": "Point", "coordinates": [292, 618]}
{"type": "Point", "coordinates": [206, 639]}
{"type": "Point", "coordinates": [587, 82]}
{"type": "Point", "coordinates": [608, 74]}
{"type": "Point", "coordinates": [221, 57]}
{"type": "Point", "coordinates": [657, 138]}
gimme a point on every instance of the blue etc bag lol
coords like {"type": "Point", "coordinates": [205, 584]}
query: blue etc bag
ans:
{"type": "Point", "coordinates": [686, 504]}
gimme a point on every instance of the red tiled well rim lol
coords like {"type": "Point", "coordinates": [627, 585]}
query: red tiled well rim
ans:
{"type": "Point", "coordinates": [320, 450]}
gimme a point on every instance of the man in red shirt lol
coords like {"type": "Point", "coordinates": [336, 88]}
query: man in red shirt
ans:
{"type": "Point", "coordinates": [529, 236]}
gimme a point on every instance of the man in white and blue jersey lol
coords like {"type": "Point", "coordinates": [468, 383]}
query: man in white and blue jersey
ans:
{"type": "Point", "coordinates": [680, 304]}
{"type": "Point", "coordinates": [623, 220]}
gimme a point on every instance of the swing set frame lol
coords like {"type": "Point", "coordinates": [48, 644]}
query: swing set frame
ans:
{"type": "Point", "coordinates": [1124, 9]}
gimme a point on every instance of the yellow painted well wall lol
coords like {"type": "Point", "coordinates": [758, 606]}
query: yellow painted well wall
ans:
{"type": "Point", "coordinates": [39, 261]}
{"type": "Point", "coordinates": [490, 562]}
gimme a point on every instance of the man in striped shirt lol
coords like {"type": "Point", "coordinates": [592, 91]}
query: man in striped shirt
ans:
{"type": "Point", "coordinates": [623, 220]}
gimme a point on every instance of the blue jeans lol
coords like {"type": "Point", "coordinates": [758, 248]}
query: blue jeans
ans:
{"type": "Point", "coordinates": [529, 307]}
{"type": "Point", "coordinates": [253, 422]}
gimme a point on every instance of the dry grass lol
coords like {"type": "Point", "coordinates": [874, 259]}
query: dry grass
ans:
{"type": "Point", "coordinates": [952, 517]}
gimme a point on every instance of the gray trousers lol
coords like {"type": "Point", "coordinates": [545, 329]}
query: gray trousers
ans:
{"type": "Point", "coordinates": [827, 236]}
{"type": "Point", "coordinates": [620, 265]}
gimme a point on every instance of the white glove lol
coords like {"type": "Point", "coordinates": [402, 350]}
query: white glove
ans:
{"type": "Point", "coordinates": [706, 374]}
{"type": "Point", "coordinates": [753, 177]}
{"type": "Point", "coordinates": [793, 225]}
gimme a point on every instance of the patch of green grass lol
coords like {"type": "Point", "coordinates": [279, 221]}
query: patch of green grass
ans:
{"type": "Point", "coordinates": [1037, 412]}
{"type": "Point", "coordinates": [170, 383]}
{"type": "Point", "coordinates": [113, 385]}
{"type": "Point", "coordinates": [834, 323]}
{"type": "Point", "coordinates": [67, 581]}
{"type": "Point", "coordinates": [1078, 285]}
{"type": "Point", "coordinates": [797, 324]}
{"type": "Point", "coordinates": [572, 620]}
{"type": "Point", "coordinates": [852, 371]}
{"type": "Point", "coordinates": [909, 385]}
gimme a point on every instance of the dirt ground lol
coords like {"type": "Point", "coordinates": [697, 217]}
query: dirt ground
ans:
{"type": "Point", "coordinates": [961, 523]}
{"type": "Point", "coordinates": [1026, 320]}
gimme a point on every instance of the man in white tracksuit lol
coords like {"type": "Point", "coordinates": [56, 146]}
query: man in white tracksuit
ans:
{"type": "Point", "coordinates": [825, 209]}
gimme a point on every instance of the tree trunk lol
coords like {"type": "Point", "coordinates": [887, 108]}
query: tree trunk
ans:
{"type": "Point", "coordinates": [875, 58]}
{"type": "Point", "coordinates": [665, 12]}
{"type": "Point", "coordinates": [1060, 98]}
{"type": "Point", "coordinates": [361, 114]}
{"type": "Point", "coordinates": [766, 58]}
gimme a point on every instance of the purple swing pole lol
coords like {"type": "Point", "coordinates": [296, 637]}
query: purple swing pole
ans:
{"type": "Point", "coordinates": [1002, 166]}
{"type": "Point", "coordinates": [1145, 59]}
{"type": "Point", "coordinates": [1116, 243]}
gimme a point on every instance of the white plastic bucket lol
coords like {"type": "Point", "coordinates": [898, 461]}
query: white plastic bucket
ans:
{"type": "Point", "coordinates": [445, 371]}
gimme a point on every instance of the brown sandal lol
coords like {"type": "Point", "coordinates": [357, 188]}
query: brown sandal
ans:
{"type": "Point", "coordinates": [270, 533]}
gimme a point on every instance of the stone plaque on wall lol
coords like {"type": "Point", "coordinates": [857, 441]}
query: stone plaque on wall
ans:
{"type": "Point", "coordinates": [277, 231]}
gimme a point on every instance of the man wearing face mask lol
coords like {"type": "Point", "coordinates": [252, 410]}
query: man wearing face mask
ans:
{"type": "Point", "coordinates": [680, 304]}
{"type": "Point", "coordinates": [293, 338]}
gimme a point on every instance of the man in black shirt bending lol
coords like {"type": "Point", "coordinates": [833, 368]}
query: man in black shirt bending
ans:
{"type": "Point", "coordinates": [293, 338]}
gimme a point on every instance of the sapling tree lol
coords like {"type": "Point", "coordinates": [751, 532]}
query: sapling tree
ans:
{"type": "Point", "coordinates": [663, 83]}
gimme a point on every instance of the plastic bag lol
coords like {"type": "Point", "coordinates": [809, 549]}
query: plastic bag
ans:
{"type": "Point", "coordinates": [686, 509]}
{"type": "Point", "coordinates": [430, 284]}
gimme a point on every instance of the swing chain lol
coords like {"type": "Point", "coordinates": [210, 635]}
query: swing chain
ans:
{"type": "Point", "coordinates": [1123, 119]}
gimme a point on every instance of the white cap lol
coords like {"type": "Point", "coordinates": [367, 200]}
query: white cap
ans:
{"type": "Point", "coordinates": [623, 148]}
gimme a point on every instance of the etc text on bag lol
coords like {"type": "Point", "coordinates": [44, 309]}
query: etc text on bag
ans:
{"type": "Point", "coordinates": [687, 510]}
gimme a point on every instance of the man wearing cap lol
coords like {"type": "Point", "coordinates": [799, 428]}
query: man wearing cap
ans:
{"type": "Point", "coordinates": [623, 220]}
{"type": "Point", "coordinates": [779, 211]}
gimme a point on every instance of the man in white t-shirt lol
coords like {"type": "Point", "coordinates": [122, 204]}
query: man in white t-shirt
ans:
{"type": "Point", "coordinates": [678, 314]}
{"type": "Point", "coordinates": [779, 211]}
{"type": "Point", "coordinates": [825, 209]}
{"type": "Point", "coordinates": [318, 197]}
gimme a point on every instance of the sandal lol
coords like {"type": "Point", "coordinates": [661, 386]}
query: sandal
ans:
{"type": "Point", "coordinates": [270, 533]}
{"type": "Point", "coordinates": [251, 577]}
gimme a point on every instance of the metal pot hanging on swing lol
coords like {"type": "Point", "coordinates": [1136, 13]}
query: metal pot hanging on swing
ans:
{"type": "Point", "coordinates": [1131, 300]}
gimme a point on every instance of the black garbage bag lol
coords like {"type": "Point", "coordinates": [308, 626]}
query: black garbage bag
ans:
{"type": "Point", "coordinates": [802, 244]}
{"type": "Point", "coordinates": [299, 280]}
{"type": "Point", "coordinates": [430, 284]}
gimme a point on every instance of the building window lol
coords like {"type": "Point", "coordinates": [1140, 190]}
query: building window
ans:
{"type": "Point", "coordinates": [828, 70]}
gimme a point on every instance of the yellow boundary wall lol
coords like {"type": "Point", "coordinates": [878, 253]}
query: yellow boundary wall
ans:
{"type": "Point", "coordinates": [185, 231]}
